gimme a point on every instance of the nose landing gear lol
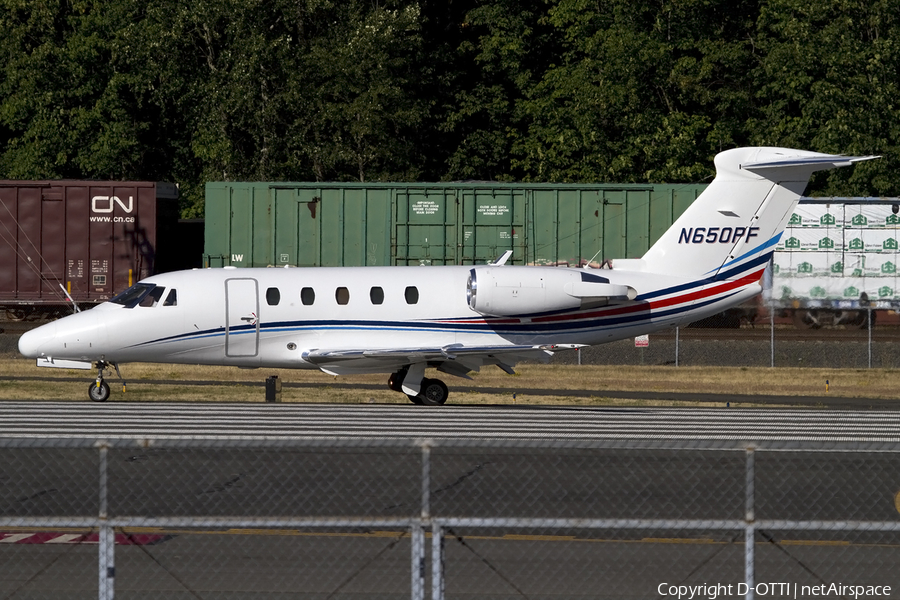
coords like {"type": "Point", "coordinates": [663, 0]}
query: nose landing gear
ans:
{"type": "Point", "coordinates": [99, 390]}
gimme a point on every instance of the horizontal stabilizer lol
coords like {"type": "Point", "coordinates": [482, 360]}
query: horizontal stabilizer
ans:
{"type": "Point", "coordinates": [816, 163]}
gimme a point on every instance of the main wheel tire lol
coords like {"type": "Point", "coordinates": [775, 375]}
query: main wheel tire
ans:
{"type": "Point", "coordinates": [434, 392]}
{"type": "Point", "coordinates": [99, 394]}
{"type": "Point", "coordinates": [415, 399]}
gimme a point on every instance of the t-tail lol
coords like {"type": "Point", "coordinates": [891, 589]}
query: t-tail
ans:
{"type": "Point", "coordinates": [732, 229]}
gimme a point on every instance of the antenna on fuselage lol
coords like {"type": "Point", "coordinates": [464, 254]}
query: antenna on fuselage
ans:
{"type": "Point", "coordinates": [587, 265]}
{"type": "Point", "coordinates": [502, 260]}
{"type": "Point", "coordinates": [72, 300]}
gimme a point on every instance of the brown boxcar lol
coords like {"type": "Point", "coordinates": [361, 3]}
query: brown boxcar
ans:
{"type": "Point", "coordinates": [92, 238]}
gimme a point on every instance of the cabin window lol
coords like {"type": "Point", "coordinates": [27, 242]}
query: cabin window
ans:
{"type": "Point", "coordinates": [153, 297]}
{"type": "Point", "coordinates": [376, 294]}
{"type": "Point", "coordinates": [171, 299]}
{"type": "Point", "coordinates": [342, 295]}
{"type": "Point", "coordinates": [412, 295]}
{"type": "Point", "coordinates": [273, 296]}
{"type": "Point", "coordinates": [130, 297]}
{"type": "Point", "coordinates": [307, 296]}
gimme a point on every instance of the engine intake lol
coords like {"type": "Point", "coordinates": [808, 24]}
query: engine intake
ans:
{"type": "Point", "coordinates": [508, 291]}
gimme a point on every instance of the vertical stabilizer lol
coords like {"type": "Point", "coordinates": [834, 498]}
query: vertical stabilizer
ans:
{"type": "Point", "coordinates": [734, 225]}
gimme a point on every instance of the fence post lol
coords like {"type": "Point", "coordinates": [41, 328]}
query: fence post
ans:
{"type": "Point", "coordinates": [107, 545]}
{"type": "Point", "coordinates": [437, 561]}
{"type": "Point", "coordinates": [676, 346]}
{"type": "Point", "coordinates": [869, 319]}
{"type": "Point", "coordinates": [417, 534]}
{"type": "Point", "coordinates": [418, 527]}
{"type": "Point", "coordinates": [750, 525]}
{"type": "Point", "coordinates": [426, 479]}
{"type": "Point", "coordinates": [772, 333]}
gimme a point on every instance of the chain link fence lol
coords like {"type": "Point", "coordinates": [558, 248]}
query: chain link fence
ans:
{"type": "Point", "coordinates": [447, 519]}
{"type": "Point", "coordinates": [769, 339]}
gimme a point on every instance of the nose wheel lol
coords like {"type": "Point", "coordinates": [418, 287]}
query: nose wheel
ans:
{"type": "Point", "coordinates": [99, 390]}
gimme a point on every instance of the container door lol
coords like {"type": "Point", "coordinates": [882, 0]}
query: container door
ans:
{"type": "Point", "coordinates": [241, 317]}
{"type": "Point", "coordinates": [493, 221]}
{"type": "Point", "coordinates": [425, 231]}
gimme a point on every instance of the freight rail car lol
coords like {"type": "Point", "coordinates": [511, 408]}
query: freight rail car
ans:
{"type": "Point", "coordinates": [344, 224]}
{"type": "Point", "coordinates": [85, 239]}
{"type": "Point", "coordinates": [837, 263]}
{"type": "Point", "coordinates": [826, 269]}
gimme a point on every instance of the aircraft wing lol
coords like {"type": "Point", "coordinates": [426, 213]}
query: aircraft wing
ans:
{"type": "Point", "coordinates": [444, 352]}
{"type": "Point", "coordinates": [455, 359]}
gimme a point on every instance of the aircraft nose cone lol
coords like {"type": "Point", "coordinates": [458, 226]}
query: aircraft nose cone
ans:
{"type": "Point", "coordinates": [31, 342]}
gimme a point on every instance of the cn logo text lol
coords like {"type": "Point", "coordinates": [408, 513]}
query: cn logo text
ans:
{"type": "Point", "coordinates": [106, 204]}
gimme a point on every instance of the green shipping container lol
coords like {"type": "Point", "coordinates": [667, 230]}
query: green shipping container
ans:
{"type": "Point", "coordinates": [354, 224]}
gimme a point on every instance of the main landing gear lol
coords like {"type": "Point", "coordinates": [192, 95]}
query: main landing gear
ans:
{"type": "Point", "coordinates": [99, 390]}
{"type": "Point", "coordinates": [431, 392]}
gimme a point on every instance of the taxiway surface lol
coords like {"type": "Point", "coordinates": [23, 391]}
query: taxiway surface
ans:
{"type": "Point", "coordinates": [261, 462]}
{"type": "Point", "coordinates": [150, 420]}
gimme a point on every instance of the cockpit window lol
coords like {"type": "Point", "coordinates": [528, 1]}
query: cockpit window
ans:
{"type": "Point", "coordinates": [152, 298]}
{"type": "Point", "coordinates": [133, 295]}
{"type": "Point", "coordinates": [171, 299]}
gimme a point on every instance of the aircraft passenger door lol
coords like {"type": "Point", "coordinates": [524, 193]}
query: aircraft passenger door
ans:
{"type": "Point", "coordinates": [241, 317]}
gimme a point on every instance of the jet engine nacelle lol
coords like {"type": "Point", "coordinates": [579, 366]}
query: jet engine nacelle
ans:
{"type": "Point", "coordinates": [505, 291]}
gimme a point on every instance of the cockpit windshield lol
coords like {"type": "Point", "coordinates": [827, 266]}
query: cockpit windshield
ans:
{"type": "Point", "coordinates": [151, 299]}
{"type": "Point", "coordinates": [133, 295]}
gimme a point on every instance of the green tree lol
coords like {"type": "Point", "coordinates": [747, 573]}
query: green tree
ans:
{"type": "Point", "coordinates": [641, 92]}
{"type": "Point", "coordinates": [502, 49]}
{"type": "Point", "coordinates": [829, 78]}
{"type": "Point", "coordinates": [360, 110]}
{"type": "Point", "coordinates": [564, 90]}
{"type": "Point", "coordinates": [67, 107]}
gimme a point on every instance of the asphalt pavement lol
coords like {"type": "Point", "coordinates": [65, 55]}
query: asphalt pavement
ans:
{"type": "Point", "coordinates": [522, 490]}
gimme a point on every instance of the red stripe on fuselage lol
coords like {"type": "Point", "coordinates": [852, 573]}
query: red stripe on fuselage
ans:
{"type": "Point", "coordinates": [624, 310]}
{"type": "Point", "coordinates": [656, 304]}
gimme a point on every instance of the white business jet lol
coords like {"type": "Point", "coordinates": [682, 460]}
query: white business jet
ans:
{"type": "Point", "coordinates": [400, 320]}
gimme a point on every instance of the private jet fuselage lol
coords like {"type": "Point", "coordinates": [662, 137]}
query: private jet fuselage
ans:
{"type": "Point", "coordinates": [400, 320]}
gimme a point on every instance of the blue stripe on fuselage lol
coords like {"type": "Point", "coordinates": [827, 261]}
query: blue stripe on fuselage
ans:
{"type": "Point", "coordinates": [584, 325]}
{"type": "Point", "coordinates": [774, 240]}
{"type": "Point", "coordinates": [720, 276]}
